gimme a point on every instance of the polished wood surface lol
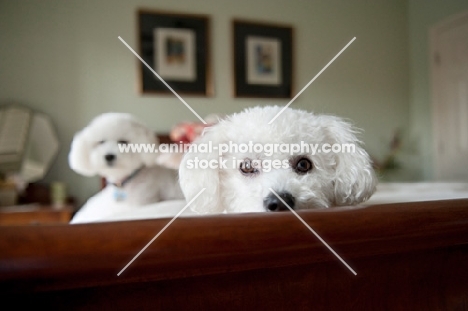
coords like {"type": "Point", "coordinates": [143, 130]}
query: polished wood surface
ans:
{"type": "Point", "coordinates": [35, 214]}
{"type": "Point", "coordinates": [411, 256]}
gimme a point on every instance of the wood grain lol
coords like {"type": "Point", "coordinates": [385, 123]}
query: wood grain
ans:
{"type": "Point", "coordinates": [410, 256]}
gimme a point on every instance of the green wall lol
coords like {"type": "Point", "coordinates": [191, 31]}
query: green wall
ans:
{"type": "Point", "coordinates": [63, 58]}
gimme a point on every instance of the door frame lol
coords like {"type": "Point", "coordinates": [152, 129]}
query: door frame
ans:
{"type": "Point", "coordinates": [434, 33]}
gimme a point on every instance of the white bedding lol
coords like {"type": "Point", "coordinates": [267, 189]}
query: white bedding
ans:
{"type": "Point", "coordinates": [414, 192]}
{"type": "Point", "coordinates": [164, 209]}
{"type": "Point", "coordinates": [386, 193]}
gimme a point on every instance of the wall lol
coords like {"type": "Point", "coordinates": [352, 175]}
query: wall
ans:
{"type": "Point", "coordinates": [424, 14]}
{"type": "Point", "coordinates": [63, 58]}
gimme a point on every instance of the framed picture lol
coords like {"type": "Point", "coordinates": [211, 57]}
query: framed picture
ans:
{"type": "Point", "coordinates": [176, 46]}
{"type": "Point", "coordinates": [263, 60]}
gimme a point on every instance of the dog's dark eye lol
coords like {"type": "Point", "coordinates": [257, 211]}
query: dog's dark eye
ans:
{"type": "Point", "coordinates": [303, 165]}
{"type": "Point", "coordinates": [247, 167]}
{"type": "Point", "coordinates": [122, 142]}
{"type": "Point", "coordinates": [101, 142]}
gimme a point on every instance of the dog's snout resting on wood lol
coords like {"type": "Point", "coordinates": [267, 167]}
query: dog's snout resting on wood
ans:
{"type": "Point", "coordinates": [309, 160]}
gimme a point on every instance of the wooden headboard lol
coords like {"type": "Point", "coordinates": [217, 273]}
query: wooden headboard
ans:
{"type": "Point", "coordinates": [408, 256]}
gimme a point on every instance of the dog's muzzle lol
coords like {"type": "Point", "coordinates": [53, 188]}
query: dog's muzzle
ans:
{"type": "Point", "coordinates": [110, 158]}
{"type": "Point", "coordinates": [273, 204]}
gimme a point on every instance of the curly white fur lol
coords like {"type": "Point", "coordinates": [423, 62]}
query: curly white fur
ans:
{"type": "Point", "coordinates": [336, 179]}
{"type": "Point", "coordinates": [98, 141]}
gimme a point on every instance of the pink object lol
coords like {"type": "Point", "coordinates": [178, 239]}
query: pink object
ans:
{"type": "Point", "coordinates": [187, 132]}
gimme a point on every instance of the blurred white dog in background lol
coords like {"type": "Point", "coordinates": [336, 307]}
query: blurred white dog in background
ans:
{"type": "Point", "coordinates": [133, 179]}
{"type": "Point", "coordinates": [305, 179]}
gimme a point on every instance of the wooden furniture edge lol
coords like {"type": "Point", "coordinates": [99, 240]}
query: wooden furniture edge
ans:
{"type": "Point", "coordinates": [57, 257]}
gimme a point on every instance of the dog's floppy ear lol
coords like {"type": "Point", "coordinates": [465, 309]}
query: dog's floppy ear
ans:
{"type": "Point", "coordinates": [355, 180]}
{"type": "Point", "coordinates": [78, 158]}
{"type": "Point", "coordinates": [193, 178]}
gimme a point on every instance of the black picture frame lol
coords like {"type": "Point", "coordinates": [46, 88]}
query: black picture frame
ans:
{"type": "Point", "coordinates": [250, 85]}
{"type": "Point", "coordinates": [152, 25]}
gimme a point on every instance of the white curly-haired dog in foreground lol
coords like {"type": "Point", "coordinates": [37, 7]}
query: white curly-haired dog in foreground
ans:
{"type": "Point", "coordinates": [133, 179]}
{"type": "Point", "coordinates": [240, 180]}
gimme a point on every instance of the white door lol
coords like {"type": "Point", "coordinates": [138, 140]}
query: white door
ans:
{"type": "Point", "coordinates": [450, 98]}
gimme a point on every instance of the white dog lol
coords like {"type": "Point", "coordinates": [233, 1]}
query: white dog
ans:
{"type": "Point", "coordinates": [244, 180]}
{"type": "Point", "coordinates": [133, 179]}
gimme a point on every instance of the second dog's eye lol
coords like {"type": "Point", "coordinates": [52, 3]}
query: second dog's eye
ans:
{"type": "Point", "coordinates": [247, 167]}
{"type": "Point", "coordinates": [303, 165]}
{"type": "Point", "coordinates": [122, 142]}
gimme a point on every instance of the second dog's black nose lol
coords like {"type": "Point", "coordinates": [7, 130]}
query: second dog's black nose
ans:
{"type": "Point", "coordinates": [109, 157]}
{"type": "Point", "coordinates": [273, 204]}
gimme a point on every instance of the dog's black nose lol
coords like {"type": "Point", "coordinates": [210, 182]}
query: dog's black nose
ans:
{"type": "Point", "coordinates": [273, 204]}
{"type": "Point", "coordinates": [109, 157]}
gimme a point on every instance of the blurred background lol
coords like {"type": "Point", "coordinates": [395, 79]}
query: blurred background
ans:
{"type": "Point", "coordinates": [64, 59]}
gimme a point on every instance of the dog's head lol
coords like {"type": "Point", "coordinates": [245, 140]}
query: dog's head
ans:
{"type": "Point", "coordinates": [95, 149]}
{"type": "Point", "coordinates": [319, 176]}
